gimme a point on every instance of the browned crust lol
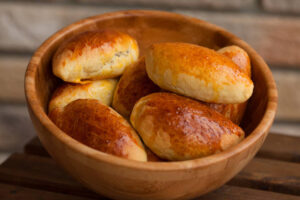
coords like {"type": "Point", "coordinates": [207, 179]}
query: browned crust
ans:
{"type": "Point", "coordinates": [133, 85]}
{"type": "Point", "coordinates": [234, 112]}
{"type": "Point", "coordinates": [194, 129]}
{"type": "Point", "coordinates": [192, 57]}
{"type": "Point", "coordinates": [95, 125]}
{"type": "Point", "coordinates": [93, 39]}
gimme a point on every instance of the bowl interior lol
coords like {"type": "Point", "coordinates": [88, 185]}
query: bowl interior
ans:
{"type": "Point", "coordinates": [150, 28]}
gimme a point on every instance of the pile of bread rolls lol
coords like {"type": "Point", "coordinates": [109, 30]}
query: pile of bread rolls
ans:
{"type": "Point", "coordinates": [180, 101]}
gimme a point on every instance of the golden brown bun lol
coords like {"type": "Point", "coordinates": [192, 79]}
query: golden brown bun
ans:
{"type": "Point", "coordinates": [133, 85]}
{"type": "Point", "coordinates": [94, 55]}
{"type": "Point", "coordinates": [178, 128]}
{"type": "Point", "coordinates": [68, 92]}
{"type": "Point", "coordinates": [234, 112]}
{"type": "Point", "coordinates": [100, 127]}
{"type": "Point", "coordinates": [239, 56]}
{"type": "Point", "coordinates": [197, 72]}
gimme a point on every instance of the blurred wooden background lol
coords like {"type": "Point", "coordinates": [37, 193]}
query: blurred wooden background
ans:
{"type": "Point", "coordinates": [272, 27]}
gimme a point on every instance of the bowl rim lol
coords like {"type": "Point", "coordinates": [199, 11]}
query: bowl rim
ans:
{"type": "Point", "coordinates": [35, 106]}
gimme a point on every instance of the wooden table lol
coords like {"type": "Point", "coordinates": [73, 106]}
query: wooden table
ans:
{"type": "Point", "coordinates": [273, 174]}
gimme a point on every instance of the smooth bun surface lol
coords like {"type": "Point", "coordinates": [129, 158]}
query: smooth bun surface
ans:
{"type": "Point", "coordinates": [178, 128]}
{"type": "Point", "coordinates": [100, 127]}
{"type": "Point", "coordinates": [94, 55]}
{"type": "Point", "coordinates": [239, 56]}
{"type": "Point", "coordinates": [133, 85]}
{"type": "Point", "coordinates": [101, 90]}
{"type": "Point", "coordinates": [234, 112]}
{"type": "Point", "coordinates": [197, 72]}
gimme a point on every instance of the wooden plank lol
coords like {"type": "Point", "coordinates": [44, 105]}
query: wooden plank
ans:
{"type": "Point", "coordinates": [41, 173]}
{"type": "Point", "coordinates": [260, 31]}
{"type": "Point", "coordinates": [34, 147]}
{"type": "Point", "coordinates": [168, 4]}
{"type": "Point", "coordinates": [281, 148]}
{"type": "Point", "coordinates": [268, 35]}
{"type": "Point", "coordinates": [4, 156]}
{"type": "Point", "coordinates": [16, 128]}
{"type": "Point", "coordinates": [12, 72]}
{"type": "Point", "coordinates": [238, 193]}
{"type": "Point", "coordinates": [276, 146]}
{"type": "Point", "coordinates": [288, 85]}
{"type": "Point", "coordinates": [44, 20]}
{"type": "Point", "coordinates": [44, 174]}
{"type": "Point", "coordinates": [286, 6]}
{"type": "Point", "coordinates": [286, 127]}
{"type": "Point", "coordinates": [272, 175]}
{"type": "Point", "coordinates": [14, 192]}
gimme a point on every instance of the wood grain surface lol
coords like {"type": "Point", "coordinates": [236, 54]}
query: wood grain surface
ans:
{"type": "Point", "coordinates": [15, 192]}
{"type": "Point", "coordinates": [260, 31]}
{"type": "Point", "coordinates": [265, 177]}
{"type": "Point", "coordinates": [276, 147]}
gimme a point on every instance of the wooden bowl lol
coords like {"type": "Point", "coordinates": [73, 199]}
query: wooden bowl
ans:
{"type": "Point", "coordinates": [119, 178]}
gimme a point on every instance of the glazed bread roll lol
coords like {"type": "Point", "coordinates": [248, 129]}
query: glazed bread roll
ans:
{"type": "Point", "coordinates": [101, 90]}
{"type": "Point", "coordinates": [178, 128]}
{"type": "Point", "coordinates": [133, 85]}
{"type": "Point", "coordinates": [234, 112]}
{"type": "Point", "coordinates": [100, 127]}
{"type": "Point", "coordinates": [197, 72]}
{"type": "Point", "coordinates": [239, 56]}
{"type": "Point", "coordinates": [94, 55]}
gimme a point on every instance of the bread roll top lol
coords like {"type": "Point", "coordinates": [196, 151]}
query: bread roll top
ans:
{"type": "Point", "coordinates": [133, 85]}
{"type": "Point", "coordinates": [197, 72]}
{"type": "Point", "coordinates": [101, 90]}
{"type": "Point", "coordinates": [94, 55]}
{"type": "Point", "coordinates": [100, 127]}
{"type": "Point", "coordinates": [234, 112]}
{"type": "Point", "coordinates": [178, 128]}
{"type": "Point", "coordinates": [239, 56]}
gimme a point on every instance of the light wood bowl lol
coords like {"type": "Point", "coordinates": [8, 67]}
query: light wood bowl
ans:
{"type": "Point", "coordinates": [119, 178]}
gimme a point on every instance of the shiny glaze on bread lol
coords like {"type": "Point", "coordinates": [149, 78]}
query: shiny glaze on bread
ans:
{"type": "Point", "coordinates": [197, 72]}
{"type": "Point", "coordinates": [178, 128]}
{"type": "Point", "coordinates": [100, 127]}
{"type": "Point", "coordinates": [94, 55]}
{"type": "Point", "coordinates": [101, 90]}
{"type": "Point", "coordinates": [234, 112]}
{"type": "Point", "coordinates": [133, 85]}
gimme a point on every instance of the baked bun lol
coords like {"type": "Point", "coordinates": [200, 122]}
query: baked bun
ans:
{"type": "Point", "coordinates": [100, 127]}
{"type": "Point", "coordinates": [197, 72]}
{"type": "Point", "coordinates": [94, 55]}
{"type": "Point", "coordinates": [101, 90]}
{"type": "Point", "coordinates": [234, 112]}
{"type": "Point", "coordinates": [179, 128]}
{"type": "Point", "coordinates": [133, 85]}
{"type": "Point", "coordinates": [239, 56]}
